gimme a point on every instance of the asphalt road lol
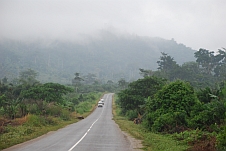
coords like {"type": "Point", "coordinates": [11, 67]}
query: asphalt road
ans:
{"type": "Point", "coordinates": [97, 132]}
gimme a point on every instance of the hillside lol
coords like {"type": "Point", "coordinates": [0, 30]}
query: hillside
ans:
{"type": "Point", "coordinates": [109, 57]}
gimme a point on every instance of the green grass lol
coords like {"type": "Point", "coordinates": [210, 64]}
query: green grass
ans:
{"type": "Point", "coordinates": [17, 134]}
{"type": "Point", "coordinates": [151, 141]}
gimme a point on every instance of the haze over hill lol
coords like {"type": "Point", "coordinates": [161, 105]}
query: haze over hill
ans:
{"type": "Point", "coordinates": [110, 57]}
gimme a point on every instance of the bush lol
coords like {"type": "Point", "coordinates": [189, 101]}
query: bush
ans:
{"type": "Point", "coordinates": [131, 114]}
{"type": "Point", "coordinates": [34, 120]}
{"type": "Point", "coordinates": [208, 114]}
{"type": "Point", "coordinates": [53, 110]}
{"type": "Point", "coordinates": [65, 114]}
{"type": "Point", "coordinates": [51, 120]}
{"type": "Point", "coordinates": [221, 139]}
{"type": "Point", "coordinates": [171, 107]}
{"type": "Point", "coordinates": [170, 122]}
{"type": "Point", "coordinates": [83, 107]}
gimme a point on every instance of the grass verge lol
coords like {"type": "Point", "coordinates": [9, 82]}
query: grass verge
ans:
{"type": "Point", "coordinates": [150, 141]}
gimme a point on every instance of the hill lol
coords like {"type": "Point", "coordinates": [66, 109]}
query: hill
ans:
{"type": "Point", "coordinates": [109, 56]}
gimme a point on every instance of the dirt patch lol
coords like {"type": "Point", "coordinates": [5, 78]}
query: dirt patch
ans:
{"type": "Point", "coordinates": [205, 144]}
{"type": "Point", "coordinates": [135, 143]}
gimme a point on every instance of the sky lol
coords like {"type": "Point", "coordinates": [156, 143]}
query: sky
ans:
{"type": "Point", "coordinates": [194, 23]}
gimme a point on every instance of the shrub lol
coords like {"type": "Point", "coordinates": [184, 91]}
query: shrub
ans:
{"type": "Point", "coordinates": [131, 114]}
{"type": "Point", "coordinates": [53, 110]}
{"type": "Point", "coordinates": [221, 139]}
{"type": "Point", "coordinates": [83, 107]}
{"type": "Point", "coordinates": [51, 120]}
{"type": "Point", "coordinates": [171, 107]}
{"type": "Point", "coordinates": [208, 114]}
{"type": "Point", "coordinates": [34, 120]}
{"type": "Point", "coordinates": [65, 114]}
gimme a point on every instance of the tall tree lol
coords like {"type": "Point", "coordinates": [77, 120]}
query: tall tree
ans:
{"type": "Point", "coordinates": [28, 77]}
{"type": "Point", "coordinates": [167, 65]}
{"type": "Point", "coordinates": [206, 60]}
{"type": "Point", "coordinates": [77, 81]}
{"type": "Point", "coordinates": [90, 78]}
{"type": "Point", "coordinates": [220, 69]}
{"type": "Point", "coordinates": [122, 83]}
{"type": "Point", "coordinates": [146, 73]}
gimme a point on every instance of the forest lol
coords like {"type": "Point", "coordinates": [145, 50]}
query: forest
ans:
{"type": "Point", "coordinates": [187, 101]}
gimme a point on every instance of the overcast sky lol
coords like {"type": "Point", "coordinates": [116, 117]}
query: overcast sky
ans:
{"type": "Point", "coordinates": [195, 23]}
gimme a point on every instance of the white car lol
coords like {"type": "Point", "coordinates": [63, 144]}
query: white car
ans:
{"type": "Point", "coordinates": [100, 104]}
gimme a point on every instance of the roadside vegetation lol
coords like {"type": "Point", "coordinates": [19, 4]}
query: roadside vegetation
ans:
{"type": "Point", "coordinates": [151, 141]}
{"type": "Point", "coordinates": [30, 109]}
{"type": "Point", "coordinates": [186, 103]}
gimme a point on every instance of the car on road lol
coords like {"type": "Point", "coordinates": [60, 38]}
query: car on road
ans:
{"type": "Point", "coordinates": [100, 104]}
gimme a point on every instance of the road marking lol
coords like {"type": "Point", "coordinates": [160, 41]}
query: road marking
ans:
{"type": "Point", "coordinates": [85, 133]}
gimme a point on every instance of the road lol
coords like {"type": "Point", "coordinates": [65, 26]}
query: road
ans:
{"type": "Point", "coordinates": [97, 132]}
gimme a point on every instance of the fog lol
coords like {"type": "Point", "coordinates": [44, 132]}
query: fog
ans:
{"type": "Point", "coordinates": [195, 23]}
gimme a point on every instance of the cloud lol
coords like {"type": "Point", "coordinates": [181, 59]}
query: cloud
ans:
{"type": "Point", "coordinates": [195, 23]}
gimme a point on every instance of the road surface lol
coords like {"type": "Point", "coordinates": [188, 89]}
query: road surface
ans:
{"type": "Point", "coordinates": [97, 132]}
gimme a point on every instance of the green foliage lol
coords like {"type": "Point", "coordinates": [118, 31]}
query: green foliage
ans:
{"type": "Point", "coordinates": [211, 111]}
{"type": "Point", "coordinates": [221, 139]}
{"type": "Point", "coordinates": [150, 141]}
{"type": "Point", "coordinates": [176, 96]}
{"type": "Point", "coordinates": [131, 114]}
{"type": "Point", "coordinates": [35, 120]}
{"type": "Point", "coordinates": [204, 95]}
{"type": "Point", "coordinates": [53, 110]}
{"type": "Point", "coordinates": [171, 106]}
{"type": "Point", "coordinates": [166, 62]}
{"type": "Point", "coordinates": [28, 77]}
{"type": "Point", "coordinates": [50, 92]}
{"type": "Point", "coordinates": [192, 136]}
{"type": "Point", "coordinates": [208, 114]}
{"type": "Point", "coordinates": [206, 59]}
{"type": "Point", "coordinates": [83, 107]}
{"type": "Point", "coordinates": [65, 115]}
{"type": "Point", "coordinates": [169, 122]}
{"type": "Point", "coordinates": [9, 106]}
{"type": "Point", "coordinates": [134, 96]}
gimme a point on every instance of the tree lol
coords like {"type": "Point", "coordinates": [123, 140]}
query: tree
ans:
{"type": "Point", "coordinates": [77, 81]}
{"type": "Point", "coordinates": [90, 78]}
{"type": "Point", "coordinates": [4, 80]}
{"type": "Point", "coordinates": [28, 77]}
{"type": "Point", "coordinates": [49, 92]}
{"type": "Point", "coordinates": [220, 69]}
{"type": "Point", "coordinates": [134, 96]}
{"type": "Point", "coordinates": [166, 62]}
{"type": "Point", "coordinates": [206, 60]}
{"type": "Point", "coordinates": [146, 73]}
{"type": "Point", "coordinates": [171, 106]}
{"type": "Point", "coordinates": [122, 83]}
{"type": "Point", "coordinates": [110, 82]}
{"type": "Point", "coordinates": [9, 103]}
{"type": "Point", "coordinates": [167, 65]}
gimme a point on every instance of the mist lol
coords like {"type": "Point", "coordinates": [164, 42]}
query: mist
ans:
{"type": "Point", "coordinates": [197, 24]}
